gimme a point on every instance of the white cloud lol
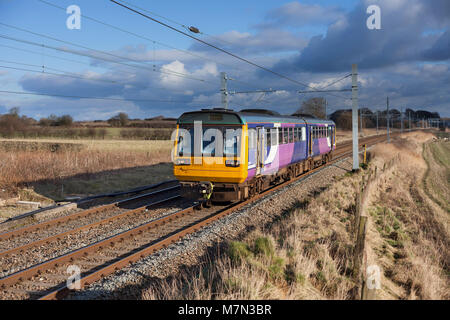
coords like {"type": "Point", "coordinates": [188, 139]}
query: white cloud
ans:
{"type": "Point", "coordinates": [170, 69]}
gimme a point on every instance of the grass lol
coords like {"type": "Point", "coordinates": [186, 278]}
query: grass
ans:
{"type": "Point", "coordinates": [437, 177]}
{"type": "Point", "coordinates": [98, 166]}
{"type": "Point", "coordinates": [408, 233]}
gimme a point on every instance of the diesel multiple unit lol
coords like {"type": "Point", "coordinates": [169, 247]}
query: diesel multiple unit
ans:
{"type": "Point", "coordinates": [222, 155]}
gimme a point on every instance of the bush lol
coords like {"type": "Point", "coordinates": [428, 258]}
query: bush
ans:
{"type": "Point", "coordinates": [238, 250]}
{"type": "Point", "coordinates": [263, 246]}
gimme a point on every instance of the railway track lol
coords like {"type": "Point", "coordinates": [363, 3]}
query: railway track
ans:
{"type": "Point", "coordinates": [47, 280]}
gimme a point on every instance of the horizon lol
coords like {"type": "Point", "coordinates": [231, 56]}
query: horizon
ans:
{"type": "Point", "coordinates": [314, 43]}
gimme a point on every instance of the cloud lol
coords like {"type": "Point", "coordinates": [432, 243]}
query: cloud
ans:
{"type": "Point", "coordinates": [42, 83]}
{"type": "Point", "coordinates": [267, 41]}
{"type": "Point", "coordinates": [169, 70]}
{"type": "Point", "coordinates": [440, 49]}
{"type": "Point", "coordinates": [298, 14]}
{"type": "Point", "coordinates": [402, 38]}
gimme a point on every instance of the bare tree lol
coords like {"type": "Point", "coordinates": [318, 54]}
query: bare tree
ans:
{"type": "Point", "coordinates": [314, 107]}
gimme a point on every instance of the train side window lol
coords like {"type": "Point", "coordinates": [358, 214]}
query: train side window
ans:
{"type": "Point", "coordinates": [285, 135]}
{"type": "Point", "coordinates": [274, 136]}
{"type": "Point", "coordinates": [280, 135]}
{"type": "Point", "coordinates": [291, 135]}
{"type": "Point", "coordinates": [296, 134]}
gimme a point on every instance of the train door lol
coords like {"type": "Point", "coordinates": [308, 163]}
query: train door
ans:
{"type": "Point", "coordinates": [260, 149]}
{"type": "Point", "coordinates": [332, 137]}
{"type": "Point", "coordinates": [310, 141]}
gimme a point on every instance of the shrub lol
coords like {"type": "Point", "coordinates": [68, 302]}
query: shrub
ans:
{"type": "Point", "coordinates": [263, 246]}
{"type": "Point", "coordinates": [238, 250]}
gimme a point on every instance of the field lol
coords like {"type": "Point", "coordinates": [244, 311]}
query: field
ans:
{"type": "Point", "coordinates": [52, 169]}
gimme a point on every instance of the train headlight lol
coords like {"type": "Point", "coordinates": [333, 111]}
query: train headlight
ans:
{"type": "Point", "coordinates": [232, 163]}
{"type": "Point", "coordinates": [183, 162]}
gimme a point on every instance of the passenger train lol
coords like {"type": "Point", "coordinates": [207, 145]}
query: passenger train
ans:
{"type": "Point", "coordinates": [222, 155]}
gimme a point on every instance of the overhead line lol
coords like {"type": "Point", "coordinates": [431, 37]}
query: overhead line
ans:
{"type": "Point", "coordinates": [215, 47]}
{"type": "Point", "coordinates": [175, 73]}
{"type": "Point", "coordinates": [57, 74]}
{"type": "Point", "coordinates": [334, 82]}
{"type": "Point", "coordinates": [211, 45]}
{"type": "Point", "coordinates": [96, 57]}
{"type": "Point", "coordinates": [173, 21]}
{"type": "Point", "coordinates": [42, 54]}
{"type": "Point", "coordinates": [138, 35]}
{"type": "Point", "coordinates": [94, 98]}
{"type": "Point", "coordinates": [46, 67]}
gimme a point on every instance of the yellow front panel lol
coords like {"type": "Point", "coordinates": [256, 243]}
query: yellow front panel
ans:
{"type": "Point", "coordinates": [209, 170]}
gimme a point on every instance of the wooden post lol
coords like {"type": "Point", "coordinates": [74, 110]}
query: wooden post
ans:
{"type": "Point", "coordinates": [357, 208]}
{"type": "Point", "coordinates": [359, 252]}
{"type": "Point", "coordinates": [365, 151]}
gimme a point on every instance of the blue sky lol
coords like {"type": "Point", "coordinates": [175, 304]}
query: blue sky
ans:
{"type": "Point", "coordinates": [314, 42]}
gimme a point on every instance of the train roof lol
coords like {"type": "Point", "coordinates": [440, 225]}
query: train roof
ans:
{"type": "Point", "coordinates": [227, 116]}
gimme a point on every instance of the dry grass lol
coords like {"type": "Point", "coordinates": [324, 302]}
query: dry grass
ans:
{"type": "Point", "coordinates": [437, 177]}
{"type": "Point", "coordinates": [346, 135]}
{"type": "Point", "coordinates": [408, 233]}
{"type": "Point", "coordinates": [97, 167]}
{"type": "Point", "coordinates": [304, 255]}
{"type": "Point", "coordinates": [307, 254]}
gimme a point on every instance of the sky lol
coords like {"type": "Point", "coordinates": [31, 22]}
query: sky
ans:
{"type": "Point", "coordinates": [119, 61]}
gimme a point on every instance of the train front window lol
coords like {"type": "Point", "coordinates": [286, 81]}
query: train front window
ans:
{"type": "Point", "coordinates": [214, 141]}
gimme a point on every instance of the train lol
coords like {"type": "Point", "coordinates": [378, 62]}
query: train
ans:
{"type": "Point", "coordinates": [223, 155]}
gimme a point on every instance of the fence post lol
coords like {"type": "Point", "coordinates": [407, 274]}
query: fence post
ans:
{"type": "Point", "coordinates": [359, 252]}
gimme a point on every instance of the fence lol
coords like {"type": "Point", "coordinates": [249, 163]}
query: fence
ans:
{"type": "Point", "coordinates": [368, 180]}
